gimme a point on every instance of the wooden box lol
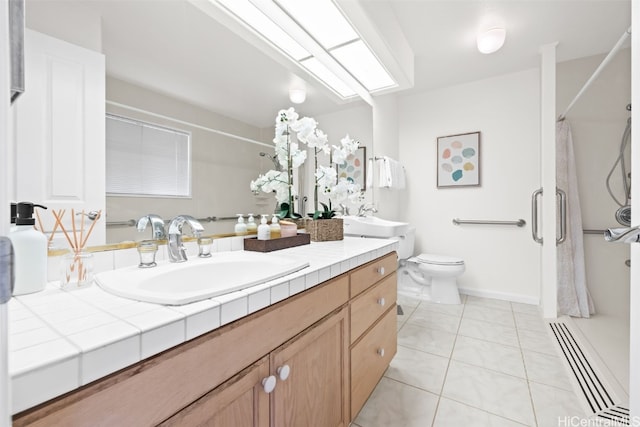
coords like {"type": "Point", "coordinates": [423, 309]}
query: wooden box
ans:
{"type": "Point", "coordinates": [253, 244]}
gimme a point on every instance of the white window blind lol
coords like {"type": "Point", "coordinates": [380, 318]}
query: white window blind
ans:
{"type": "Point", "coordinates": [147, 160]}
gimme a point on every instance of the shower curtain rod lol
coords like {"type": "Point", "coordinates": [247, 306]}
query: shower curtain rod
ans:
{"type": "Point", "coordinates": [601, 67]}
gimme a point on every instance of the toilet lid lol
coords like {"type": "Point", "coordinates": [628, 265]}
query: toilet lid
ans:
{"type": "Point", "coordinates": [439, 259]}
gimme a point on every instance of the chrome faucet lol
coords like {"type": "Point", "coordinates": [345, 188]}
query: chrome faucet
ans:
{"type": "Point", "coordinates": [363, 209]}
{"type": "Point", "coordinates": [175, 247]}
{"type": "Point", "coordinates": [157, 226]}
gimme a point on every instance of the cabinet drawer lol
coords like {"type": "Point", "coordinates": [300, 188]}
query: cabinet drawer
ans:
{"type": "Point", "coordinates": [371, 304]}
{"type": "Point", "coordinates": [367, 275]}
{"type": "Point", "coordinates": [370, 357]}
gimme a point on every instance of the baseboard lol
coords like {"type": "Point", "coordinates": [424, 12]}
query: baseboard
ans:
{"type": "Point", "coordinates": [524, 299]}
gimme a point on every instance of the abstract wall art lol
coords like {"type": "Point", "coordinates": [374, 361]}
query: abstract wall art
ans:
{"type": "Point", "coordinates": [355, 168]}
{"type": "Point", "coordinates": [459, 160]}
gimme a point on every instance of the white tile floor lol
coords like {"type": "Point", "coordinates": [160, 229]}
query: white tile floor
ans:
{"type": "Point", "coordinates": [482, 363]}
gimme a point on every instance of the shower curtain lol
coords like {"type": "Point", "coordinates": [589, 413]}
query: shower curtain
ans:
{"type": "Point", "coordinates": [573, 295]}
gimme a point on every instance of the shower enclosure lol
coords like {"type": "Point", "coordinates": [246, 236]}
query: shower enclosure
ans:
{"type": "Point", "coordinates": [601, 127]}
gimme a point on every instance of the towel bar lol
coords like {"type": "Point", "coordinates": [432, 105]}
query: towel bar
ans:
{"type": "Point", "coordinates": [132, 222]}
{"type": "Point", "coordinates": [520, 223]}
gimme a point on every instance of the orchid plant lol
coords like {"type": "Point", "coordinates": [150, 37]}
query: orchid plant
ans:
{"type": "Point", "coordinates": [291, 155]}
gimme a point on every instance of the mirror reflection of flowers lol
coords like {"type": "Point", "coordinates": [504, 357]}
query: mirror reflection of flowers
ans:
{"type": "Point", "coordinates": [291, 155]}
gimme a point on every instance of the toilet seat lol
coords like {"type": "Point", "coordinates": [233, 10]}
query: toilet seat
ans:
{"type": "Point", "coordinates": [435, 259]}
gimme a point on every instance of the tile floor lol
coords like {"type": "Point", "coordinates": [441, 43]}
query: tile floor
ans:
{"type": "Point", "coordinates": [482, 363]}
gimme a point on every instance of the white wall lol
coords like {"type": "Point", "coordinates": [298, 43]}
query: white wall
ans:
{"type": "Point", "coordinates": [385, 136]}
{"type": "Point", "coordinates": [597, 121]}
{"type": "Point", "coordinates": [222, 167]}
{"type": "Point", "coordinates": [84, 26]}
{"type": "Point", "coordinates": [501, 261]}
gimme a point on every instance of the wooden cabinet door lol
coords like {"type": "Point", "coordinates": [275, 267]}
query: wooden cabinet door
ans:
{"type": "Point", "coordinates": [315, 393]}
{"type": "Point", "coordinates": [239, 402]}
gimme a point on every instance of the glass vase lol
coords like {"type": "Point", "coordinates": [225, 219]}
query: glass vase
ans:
{"type": "Point", "coordinates": [76, 270]}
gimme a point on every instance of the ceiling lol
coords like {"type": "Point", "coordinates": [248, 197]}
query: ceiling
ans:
{"type": "Point", "coordinates": [171, 46]}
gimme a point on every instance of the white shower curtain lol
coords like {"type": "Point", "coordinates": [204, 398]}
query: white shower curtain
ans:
{"type": "Point", "coordinates": [573, 295]}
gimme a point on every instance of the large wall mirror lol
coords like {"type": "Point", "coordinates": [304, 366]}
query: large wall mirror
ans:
{"type": "Point", "coordinates": [170, 64]}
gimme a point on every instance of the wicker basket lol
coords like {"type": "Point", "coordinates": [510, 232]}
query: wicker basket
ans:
{"type": "Point", "coordinates": [325, 230]}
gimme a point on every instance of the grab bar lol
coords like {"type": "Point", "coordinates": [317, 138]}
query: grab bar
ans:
{"type": "Point", "coordinates": [563, 216]}
{"type": "Point", "coordinates": [534, 215]}
{"type": "Point", "coordinates": [520, 223]}
{"type": "Point", "coordinates": [593, 231]}
{"type": "Point", "coordinates": [132, 222]}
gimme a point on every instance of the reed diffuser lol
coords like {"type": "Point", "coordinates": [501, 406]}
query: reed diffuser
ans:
{"type": "Point", "coordinates": [77, 266]}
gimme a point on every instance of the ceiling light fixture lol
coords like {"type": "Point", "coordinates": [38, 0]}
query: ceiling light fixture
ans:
{"type": "Point", "coordinates": [297, 96]}
{"type": "Point", "coordinates": [491, 40]}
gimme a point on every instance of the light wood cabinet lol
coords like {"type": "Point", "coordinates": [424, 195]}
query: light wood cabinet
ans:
{"type": "Point", "coordinates": [157, 389]}
{"type": "Point", "coordinates": [239, 402]}
{"type": "Point", "coordinates": [310, 375]}
{"type": "Point", "coordinates": [315, 393]}
{"type": "Point", "coordinates": [373, 311]}
{"type": "Point", "coordinates": [320, 347]}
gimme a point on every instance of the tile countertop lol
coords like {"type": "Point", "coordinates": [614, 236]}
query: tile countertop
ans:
{"type": "Point", "coordinates": [60, 340]}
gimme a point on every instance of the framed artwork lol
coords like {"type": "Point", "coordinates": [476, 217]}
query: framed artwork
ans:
{"type": "Point", "coordinates": [354, 169]}
{"type": "Point", "coordinates": [459, 160]}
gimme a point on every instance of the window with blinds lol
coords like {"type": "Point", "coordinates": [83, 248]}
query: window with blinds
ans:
{"type": "Point", "coordinates": [144, 159]}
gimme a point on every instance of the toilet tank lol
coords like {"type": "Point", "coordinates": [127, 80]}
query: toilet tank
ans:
{"type": "Point", "coordinates": [406, 243]}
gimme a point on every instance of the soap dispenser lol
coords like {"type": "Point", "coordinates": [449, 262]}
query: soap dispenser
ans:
{"type": "Point", "coordinates": [275, 227]}
{"type": "Point", "coordinates": [252, 227]}
{"type": "Point", "coordinates": [264, 231]}
{"type": "Point", "coordinates": [241, 227]}
{"type": "Point", "coordinates": [30, 252]}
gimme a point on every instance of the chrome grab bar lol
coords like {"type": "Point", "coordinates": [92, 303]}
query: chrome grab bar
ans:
{"type": "Point", "coordinates": [132, 222]}
{"type": "Point", "coordinates": [520, 222]}
{"type": "Point", "coordinates": [563, 216]}
{"type": "Point", "coordinates": [534, 215]}
{"type": "Point", "coordinates": [593, 231]}
{"type": "Point", "coordinates": [128, 223]}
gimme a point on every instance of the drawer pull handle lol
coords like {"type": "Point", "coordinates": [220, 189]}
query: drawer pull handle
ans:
{"type": "Point", "coordinates": [283, 372]}
{"type": "Point", "coordinates": [380, 352]}
{"type": "Point", "coordinates": [381, 302]}
{"type": "Point", "coordinates": [269, 383]}
{"type": "Point", "coordinates": [381, 271]}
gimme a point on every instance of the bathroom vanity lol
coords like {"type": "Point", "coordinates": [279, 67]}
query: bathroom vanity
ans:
{"type": "Point", "coordinates": [311, 359]}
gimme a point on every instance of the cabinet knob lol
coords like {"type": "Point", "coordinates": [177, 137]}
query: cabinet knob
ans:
{"type": "Point", "coordinates": [283, 372]}
{"type": "Point", "coordinates": [381, 271]}
{"type": "Point", "coordinates": [381, 302]}
{"type": "Point", "coordinates": [380, 352]}
{"type": "Point", "coordinates": [269, 383]}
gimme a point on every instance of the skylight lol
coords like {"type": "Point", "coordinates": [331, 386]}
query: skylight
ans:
{"type": "Point", "coordinates": [318, 37]}
{"type": "Point", "coordinates": [322, 20]}
{"type": "Point", "coordinates": [266, 27]}
{"type": "Point", "coordinates": [360, 61]}
{"type": "Point", "coordinates": [324, 74]}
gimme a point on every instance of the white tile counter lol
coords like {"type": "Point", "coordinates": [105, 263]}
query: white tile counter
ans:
{"type": "Point", "coordinates": [60, 340]}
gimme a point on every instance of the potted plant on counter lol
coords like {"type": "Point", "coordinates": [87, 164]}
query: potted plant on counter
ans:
{"type": "Point", "coordinates": [290, 132]}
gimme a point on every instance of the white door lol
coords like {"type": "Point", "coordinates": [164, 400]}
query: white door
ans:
{"type": "Point", "coordinates": [60, 130]}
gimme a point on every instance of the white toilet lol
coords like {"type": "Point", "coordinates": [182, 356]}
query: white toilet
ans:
{"type": "Point", "coordinates": [427, 276]}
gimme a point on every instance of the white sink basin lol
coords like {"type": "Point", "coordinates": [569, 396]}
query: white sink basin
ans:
{"type": "Point", "coordinates": [197, 278]}
{"type": "Point", "coordinates": [371, 226]}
